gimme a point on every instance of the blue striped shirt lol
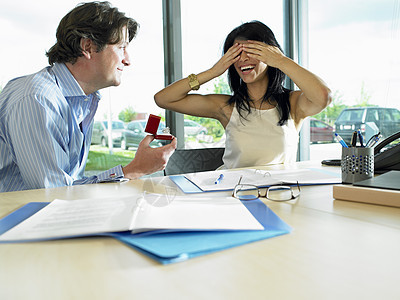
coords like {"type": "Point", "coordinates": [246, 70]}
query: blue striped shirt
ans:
{"type": "Point", "coordinates": [46, 123]}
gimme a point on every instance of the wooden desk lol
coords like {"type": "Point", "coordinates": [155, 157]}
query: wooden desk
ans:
{"type": "Point", "coordinates": [337, 250]}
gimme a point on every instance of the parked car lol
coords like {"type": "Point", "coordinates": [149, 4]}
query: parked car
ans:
{"type": "Point", "coordinates": [100, 133]}
{"type": "Point", "coordinates": [134, 134]}
{"type": "Point", "coordinates": [321, 131]}
{"type": "Point", "coordinates": [369, 120]}
{"type": "Point", "coordinates": [194, 128]}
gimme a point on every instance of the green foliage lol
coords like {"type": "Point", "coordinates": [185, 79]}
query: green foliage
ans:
{"type": "Point", "coordinates": [364, 98]}
{"type": "Point", "coordinates": [221, 86]}
{"type": "Point", "coordinates": [127, 114]}
{"type": "Point", "coordinates": [213, 126]}
{"type": "Point", "coordinates": [99, 158]}
{"type": "Point", "coordinates": [330, 114]}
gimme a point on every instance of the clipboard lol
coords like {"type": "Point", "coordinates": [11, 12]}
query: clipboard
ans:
{"type": "Point", "coordinates": [167, 246]}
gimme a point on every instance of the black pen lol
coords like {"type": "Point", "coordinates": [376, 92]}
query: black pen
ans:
{"type": "Point", "coordinates": [360, 137]}
{"type": "Point", "coordinates": [354, 139]}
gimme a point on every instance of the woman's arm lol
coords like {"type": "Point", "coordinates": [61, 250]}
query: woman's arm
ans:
{"type": "Point", "coordinates": [313, 96]}
{"type": "Point", "coordinates": [175, 96]}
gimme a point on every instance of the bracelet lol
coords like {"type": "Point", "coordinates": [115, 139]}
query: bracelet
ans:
{"type": "Point", "coordinates": [193, 82]}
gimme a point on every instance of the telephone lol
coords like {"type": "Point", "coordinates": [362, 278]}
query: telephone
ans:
{"type": "Point", "coordinates": [387, 154]}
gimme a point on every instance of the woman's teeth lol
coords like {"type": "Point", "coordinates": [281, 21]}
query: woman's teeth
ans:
{"type": "Point", "coordinates": [246, 68]}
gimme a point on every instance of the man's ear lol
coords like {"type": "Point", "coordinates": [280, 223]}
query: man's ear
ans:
{"type": "Point", "coordinates": [87, 47]}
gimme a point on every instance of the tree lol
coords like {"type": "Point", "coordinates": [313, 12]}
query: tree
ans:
{"type": "Point", "coordinates": [330, 114]}
{"type": "Point", "coordinates": [221, 86]}
{"type": "Point", "coordinates": [127, 114]}
{"type": "Point", "coordinates": [364, 98]}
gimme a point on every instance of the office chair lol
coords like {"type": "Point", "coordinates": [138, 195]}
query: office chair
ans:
{"type": "Point", "coordinates": [194, 160]}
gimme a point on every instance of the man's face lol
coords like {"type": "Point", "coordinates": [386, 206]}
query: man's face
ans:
{"type": "Point", "coordinates": [110, 63]}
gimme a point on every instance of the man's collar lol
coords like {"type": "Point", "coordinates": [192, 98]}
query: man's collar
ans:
{"type": "Point", "coordinates": [68, 84]}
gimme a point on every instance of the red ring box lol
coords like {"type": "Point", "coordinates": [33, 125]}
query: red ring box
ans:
{"type": "Point", "coordinates": [152, 126]}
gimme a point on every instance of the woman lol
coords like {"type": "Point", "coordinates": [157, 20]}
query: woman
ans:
{"type": "Point", "coordinates": [262, 119]}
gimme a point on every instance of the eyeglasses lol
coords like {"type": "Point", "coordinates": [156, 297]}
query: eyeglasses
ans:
{"type": "Point", "coordinates": [278, 193]}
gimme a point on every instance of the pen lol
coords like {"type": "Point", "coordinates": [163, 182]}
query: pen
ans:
{"type": "Point", "coordinates": [372, 138]}
{"type": "Point", "coordinates": [218, 180]}
{"type": "Point", "coordinates": [374, 141]}
{"type": "Point", "coordinates": [341, 141]}
{"type": "Point", "coordinates": [360, 137]}
{"type": "Point", "coordinates": [354, 139]}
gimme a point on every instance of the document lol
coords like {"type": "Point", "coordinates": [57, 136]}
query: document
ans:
{"type": "Point", "coordinates": [261, 178]}
{"type": "Point", "coordinates": [73, 218]}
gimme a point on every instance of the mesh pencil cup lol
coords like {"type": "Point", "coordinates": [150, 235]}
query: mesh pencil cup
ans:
{"type": "Point", "coordinates": [357, 164]}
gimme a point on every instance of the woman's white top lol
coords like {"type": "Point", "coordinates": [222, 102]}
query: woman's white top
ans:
{"type": "Point", "coordinates": [259, 140]}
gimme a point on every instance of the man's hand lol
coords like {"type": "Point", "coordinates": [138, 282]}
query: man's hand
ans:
{"type": "Point", "coordinates": [149, 160]}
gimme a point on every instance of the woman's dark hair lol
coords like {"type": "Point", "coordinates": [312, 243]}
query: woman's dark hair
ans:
{"type": "Point", "coordinates": [98, 21]}
{"type": "Point", "coordinates": [257, 31]}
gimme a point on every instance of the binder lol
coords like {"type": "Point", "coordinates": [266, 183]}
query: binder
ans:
{"type": "Point", "coordinates": [167, 246]}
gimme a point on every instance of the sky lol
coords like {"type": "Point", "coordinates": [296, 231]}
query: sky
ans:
{"type": "Point", "coordinates": [349, 50]}
{"type": "Point", "coordinates": [351, 43]}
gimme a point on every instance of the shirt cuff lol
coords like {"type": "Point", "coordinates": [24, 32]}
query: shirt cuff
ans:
{"type": "Point", "coordinates": [112, 175]}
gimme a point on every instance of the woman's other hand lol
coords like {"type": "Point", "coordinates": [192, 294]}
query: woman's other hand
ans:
{"type": "Point", "coordinates": [230, 57]}
{"type": "Point", "coordinates": [270, 55]}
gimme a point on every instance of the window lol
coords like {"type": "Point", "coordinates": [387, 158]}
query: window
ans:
{"type": "Point", "coordinates": [354, 46]}
{"type": "Point", "coordinates": [27, 30]}
{"type": "Point", "coordinates": [204, 29]}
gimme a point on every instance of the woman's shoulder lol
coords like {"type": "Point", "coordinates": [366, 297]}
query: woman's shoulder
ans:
{"type": "Point", "coordinates": [224, 108]}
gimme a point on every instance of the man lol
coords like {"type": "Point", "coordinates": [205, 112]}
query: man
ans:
{"type": "Point", "coordinates": [46, 118]}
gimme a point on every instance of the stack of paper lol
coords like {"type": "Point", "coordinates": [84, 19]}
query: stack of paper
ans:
{"type": "Point", "coordinates": [165, 245]}
{"type": "Point", "coordinates": [206, 181]}
{"type": "Point", "coordinates": [71, 218]}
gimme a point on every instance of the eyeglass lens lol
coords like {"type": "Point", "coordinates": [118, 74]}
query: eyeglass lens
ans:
{"type": "Point", "coordinates": [246, 192]}
{"type": "Point", "coordinates": [274, 193]}
{"type": "Point", "coordinates": [279, 193]}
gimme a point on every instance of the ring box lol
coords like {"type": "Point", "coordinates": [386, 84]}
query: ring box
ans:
{"type": "Point", "coordinates": [152, 126]}
{"type": "Point", "coordinates": [357, 164]}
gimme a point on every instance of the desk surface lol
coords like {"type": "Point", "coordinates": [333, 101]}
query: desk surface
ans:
{"type": "Point", "coordinates": [337, 250]}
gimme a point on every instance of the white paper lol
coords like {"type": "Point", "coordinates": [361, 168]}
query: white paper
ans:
{"type": "Point", "coordinates": [70, 218]}
{"type": "Point", "coordinates": [192, 213]}
{"type": "Point", "coordinates": [63, 218]}
{"type": "Point", "coordinates": [261, 178]}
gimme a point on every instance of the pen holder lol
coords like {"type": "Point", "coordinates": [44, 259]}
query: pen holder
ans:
{"type": "Point", "coordinates": [357, 164]}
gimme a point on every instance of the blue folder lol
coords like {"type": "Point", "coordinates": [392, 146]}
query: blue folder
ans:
{"type": "Point", "coordinates": [168, 246]}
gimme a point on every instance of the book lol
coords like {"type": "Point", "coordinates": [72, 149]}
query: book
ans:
{"type": "Point", "coordinates": [210, 181]}
{"type": "Point", "coordinates": [73, 218]}
{"type": "Point", "coordinates": [378, 196]}
{"type": "Point", "coordinates": [172, 246]}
